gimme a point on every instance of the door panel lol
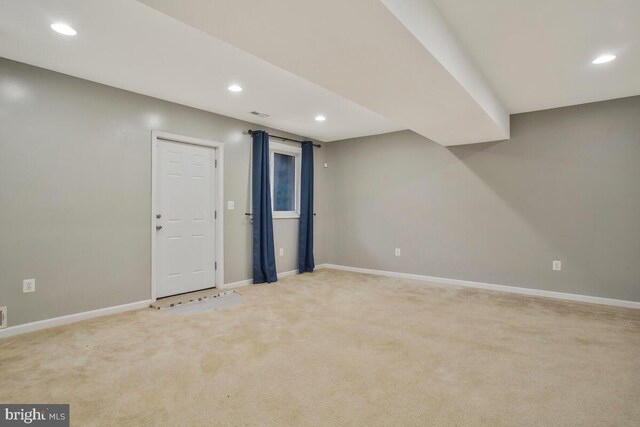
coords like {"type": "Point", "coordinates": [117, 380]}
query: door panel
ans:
{"type": "Point", "coordinates": [186, 204]}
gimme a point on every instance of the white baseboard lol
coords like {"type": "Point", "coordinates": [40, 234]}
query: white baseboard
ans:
{"type": "Point", "coordinates": [492, 287]}
{"type": "Point", "coordinates": [71, 318]}
{"type": "Point", "coordinates": [287, 274]}
{"type": "Point", "coordinates": [247, 282]}
{"type": "Point", "coordinates": [238, 284]}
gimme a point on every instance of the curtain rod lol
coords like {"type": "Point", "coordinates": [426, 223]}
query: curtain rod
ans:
{"type": "Point", "coordinates": [282, 138]}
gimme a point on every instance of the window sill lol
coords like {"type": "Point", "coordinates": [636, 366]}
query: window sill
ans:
{"type": "Point", "coordinates": [285, 216]}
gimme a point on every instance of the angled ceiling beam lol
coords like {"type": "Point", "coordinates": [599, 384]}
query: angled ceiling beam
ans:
{"type": "Point", "coordinates": [428, 26]}
{"type": "Point", "coordinates": [362, 51]}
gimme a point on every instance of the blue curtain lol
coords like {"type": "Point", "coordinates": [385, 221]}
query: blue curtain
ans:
{"type": "Point", "coordinates": [305, 235]}
{"type": "Point", "coordinates": [264, 259]}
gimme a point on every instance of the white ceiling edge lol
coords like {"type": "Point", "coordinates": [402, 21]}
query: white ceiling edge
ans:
{"type": "Point", "coordinates": [357, 49]}
{"type": "Point", "coordinates": [424, 21]}
{"type": "Point", "coordinates": [130, 46]}
{"type": "Point", "coordinates": [537, 54]}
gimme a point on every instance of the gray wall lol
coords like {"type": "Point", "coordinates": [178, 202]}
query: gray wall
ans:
{"type": "Point", "coordinates": [566, 186]}
{"type": "Point", "coordinates": [75, 168]}
{"type": "Point", "coordinates": [75, 198]}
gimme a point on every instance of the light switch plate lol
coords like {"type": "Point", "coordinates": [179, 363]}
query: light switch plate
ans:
{"type": "Point", "coordinates": [28, 286]}
{"type": "Point", "coordinates": [397, 251]}
{"type": "Point", "coordinates": [231, 204]}
{"type": "Point", "coordinates": [556, 266]}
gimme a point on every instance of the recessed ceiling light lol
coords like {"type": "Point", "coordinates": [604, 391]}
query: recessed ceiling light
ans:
{"type": "Point", "coordinates": [320, 118]}
{"type": "Point", "coordinates": [235, 88]}
{"type": "Point", "coordinates": [602, 59]}
{"type": "Point", "coordinates": [62, 28]}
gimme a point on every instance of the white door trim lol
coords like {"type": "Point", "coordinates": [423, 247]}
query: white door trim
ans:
{"type": "Point", "coordinates": [219, 179]}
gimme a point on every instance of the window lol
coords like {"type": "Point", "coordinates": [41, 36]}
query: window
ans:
{"type": "Point", "coordinates": [284, 188]}
{"type": "Point", "coordinates": [285, 180]}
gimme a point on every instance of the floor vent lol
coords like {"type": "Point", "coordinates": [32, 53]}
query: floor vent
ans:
{"type": "Point", "coordinates": [3, 317]}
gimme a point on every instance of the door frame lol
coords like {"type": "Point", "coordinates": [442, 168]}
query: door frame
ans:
{"type": "Point", "coordinates": [157, 136]}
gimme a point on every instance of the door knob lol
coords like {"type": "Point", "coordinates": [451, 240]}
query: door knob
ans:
{"type": "Point", "coordinates": [158, 227]}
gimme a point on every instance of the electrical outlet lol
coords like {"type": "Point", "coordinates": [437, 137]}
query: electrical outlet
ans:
{"type": "Point", "coordinates": [231, 204]}
{"type": "Point", "coordinates": [556, 266]}
{"type": "Point", "coordinates": [3, 317]}
{"type": "Point", "coordinates": [281, 251]}
{"type": "Point", "coordinates": [397, 251]}
{"type": "Point", "coordinates": [28, 286]}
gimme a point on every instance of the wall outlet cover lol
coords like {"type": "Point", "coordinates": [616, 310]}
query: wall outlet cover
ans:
{"type": "Point", "coordinates": [556, 265]}
{"type": "Point", "coordinates": [397, 251]}
{"type": "Point", "coordinates": [3, 317]}
{"type": "Point", "coordinates": [231, 204]}
{"type": "Point", "coordinates": [28, 286]}
{"type": "Point", "coordinates": [281, 251]}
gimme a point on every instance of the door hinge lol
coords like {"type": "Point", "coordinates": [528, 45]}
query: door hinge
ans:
{"type": "Point", "coordinates": [215, 214]}
{"type": "Point", "coordinates": [215, 265]}
{"type": "Point", "coordinates": [215, 163]}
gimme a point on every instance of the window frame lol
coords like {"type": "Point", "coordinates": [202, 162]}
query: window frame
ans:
{"type": "Point", "coordinates": [296, 152]}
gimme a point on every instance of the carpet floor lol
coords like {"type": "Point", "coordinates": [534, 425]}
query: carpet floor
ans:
{"type": "Point", "coordinates": [336, 348]}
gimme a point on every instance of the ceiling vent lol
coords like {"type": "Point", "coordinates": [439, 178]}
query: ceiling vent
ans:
{"type": "Point", "coordinates": [259, 114]}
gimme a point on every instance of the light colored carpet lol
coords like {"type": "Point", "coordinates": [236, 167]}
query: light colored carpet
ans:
{"type": "Point", "coordinates": [336, 348]}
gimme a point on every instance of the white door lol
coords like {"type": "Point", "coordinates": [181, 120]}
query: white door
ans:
{"type": "Point", "coordinates": [185, 218]}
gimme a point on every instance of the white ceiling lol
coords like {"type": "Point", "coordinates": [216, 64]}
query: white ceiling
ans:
{"type": "Point", "coordinates": [536, 54]}
{"type": "Point", "coordinates": [128, 45]}
{"type": "Point", "coordinates": [451, 70]}
{"type": "Point", "coordinates": [361, 51]}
